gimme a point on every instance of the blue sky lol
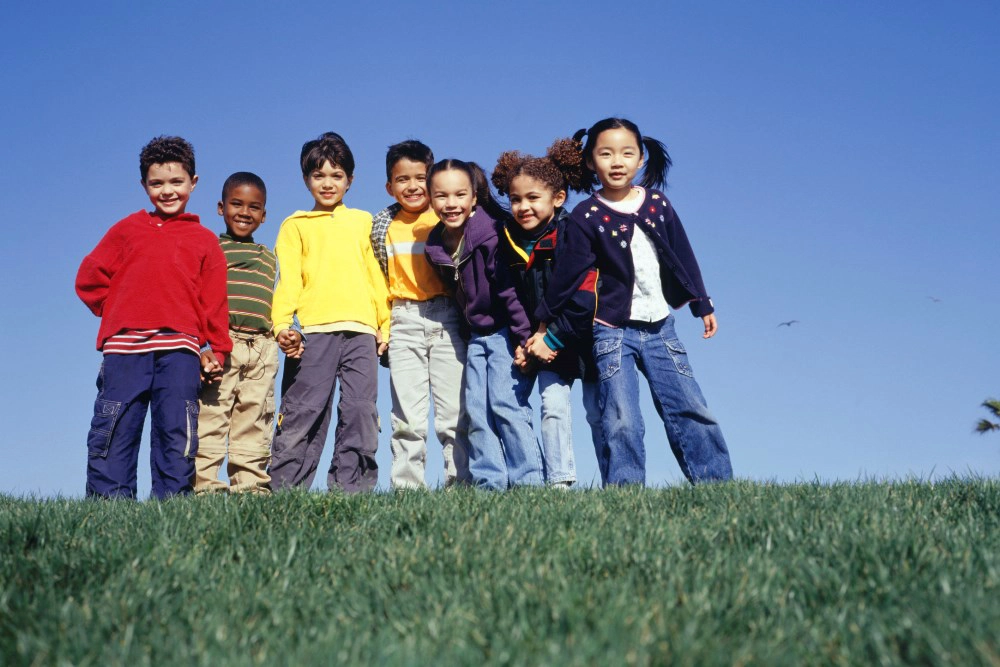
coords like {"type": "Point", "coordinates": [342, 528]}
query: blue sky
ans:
{"type": "Point", "coordinates": [835, 163]}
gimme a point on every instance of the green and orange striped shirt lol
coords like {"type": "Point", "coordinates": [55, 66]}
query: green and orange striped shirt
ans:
{"type": "Point", "coordinates": [250, 272]}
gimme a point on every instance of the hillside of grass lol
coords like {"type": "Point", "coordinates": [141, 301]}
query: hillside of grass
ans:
{"type": "Point", "coordinates": [740, 573]}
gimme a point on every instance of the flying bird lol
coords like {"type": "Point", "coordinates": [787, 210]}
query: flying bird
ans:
{"type": "Point", "coordinates": [789, 323]}
{"type": "Point", "coordinates": [934, 299]}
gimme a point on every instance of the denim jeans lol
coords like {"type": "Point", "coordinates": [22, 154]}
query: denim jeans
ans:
{"type": "Point", "coordinates": [503, 450]}
{"type": "Point", "coordinates": [557, 427]}
{"type": "Point", "coordinates": [693, 433]}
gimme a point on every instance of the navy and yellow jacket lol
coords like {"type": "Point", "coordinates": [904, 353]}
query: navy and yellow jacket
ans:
{"type": "Point", "coordinates": [531, 265]}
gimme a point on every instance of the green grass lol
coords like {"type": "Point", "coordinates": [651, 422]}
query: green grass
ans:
{"type": "Point", "coordinates": [741, 573]}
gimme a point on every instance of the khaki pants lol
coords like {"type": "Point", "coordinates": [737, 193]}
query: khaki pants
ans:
{"type": "Point", "coordinates": [426, 361]}
{"type": "Point", "coordinates": [239, 412]}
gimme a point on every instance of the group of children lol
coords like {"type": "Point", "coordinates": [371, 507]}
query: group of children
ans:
{"type": "Point", "coordinates": [469, 303]}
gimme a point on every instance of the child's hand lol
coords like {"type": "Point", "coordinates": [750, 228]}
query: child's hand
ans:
{"type": "Point", "coordinates": [291, 343]}
{"type": "Point", "coordinates": [211, 369]}
{"type": "Point", "coordinates": [536, 347]}
{"type": "Point", "coordinates": [711, 326]}
{"type": "Point", "coordinates": [520, 359]}
{"type": "Point", "coordinates": [380, 345]}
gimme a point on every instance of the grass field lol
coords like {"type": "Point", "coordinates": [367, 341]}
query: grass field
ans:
{"type": "Point", "coordinates": [741, 573]}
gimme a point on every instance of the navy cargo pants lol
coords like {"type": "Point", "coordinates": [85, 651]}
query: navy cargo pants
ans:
{"type": "Point", "coordinates": [128, 385]}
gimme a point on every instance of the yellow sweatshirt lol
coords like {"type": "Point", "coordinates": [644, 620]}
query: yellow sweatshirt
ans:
{"type": "Point", "coordinates": [328, 274]}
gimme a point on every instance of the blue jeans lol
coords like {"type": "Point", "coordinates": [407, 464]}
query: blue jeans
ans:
{"type": "Point", "coordinates": [503, 450]}
{"type": "Point", "coordinates": [557, 427]}
{"type": "Point", "coordinates": [693, 433]}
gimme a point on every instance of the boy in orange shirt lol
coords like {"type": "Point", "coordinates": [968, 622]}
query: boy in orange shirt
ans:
{"type": "Point", "coordinates": [426, 351]}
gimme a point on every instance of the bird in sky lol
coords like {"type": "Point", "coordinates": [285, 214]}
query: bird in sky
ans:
{"type": "Point", "coordinates": [789, 323]}
{"type": "Point", "coordinates": [934, 299]}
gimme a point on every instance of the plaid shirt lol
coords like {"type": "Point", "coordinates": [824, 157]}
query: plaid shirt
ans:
{"type": "Point", "coordinates": [380, 227]}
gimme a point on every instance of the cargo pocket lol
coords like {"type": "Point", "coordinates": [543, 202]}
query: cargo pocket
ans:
{"type": "Point", "coordinates": [607, 351]}
{"type": "Point", "coordinates": [102, 427]}
{"type": "Point", "coordinates": [680, 357]}
{"type": "Point", "coordinates": [191, 440]}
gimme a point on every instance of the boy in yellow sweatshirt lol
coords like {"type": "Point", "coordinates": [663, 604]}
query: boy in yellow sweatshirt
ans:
{"type": "Point", "coordinates": [331, 282]}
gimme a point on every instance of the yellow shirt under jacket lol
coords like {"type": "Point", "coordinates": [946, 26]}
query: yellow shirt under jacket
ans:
{"type": "Point", "coordinates": [328, 272]}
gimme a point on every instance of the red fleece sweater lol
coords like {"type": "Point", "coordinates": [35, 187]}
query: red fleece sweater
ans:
{"type": "Point", "coordinates": [172, 276]}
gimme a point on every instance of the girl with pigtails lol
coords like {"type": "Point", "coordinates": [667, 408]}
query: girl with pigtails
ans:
{"type": "Point", "coordinates": [630, 234]}
{"type": "Point", "coordinates": [536, 188]}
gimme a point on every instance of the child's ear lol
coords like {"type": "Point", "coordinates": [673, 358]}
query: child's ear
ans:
{"type": "Point", "coordinates": [559, 199]}
{"type": "Point", "coordinates": [194, 181]}
{"type": "Point", "coordinates": [590, 163]}
{"type": "Point", "coordinates": [388, 188]}
{"type": "Point", "coordinates": [350, 182]}
{"type": "Point", "coordinates": [221, 208]}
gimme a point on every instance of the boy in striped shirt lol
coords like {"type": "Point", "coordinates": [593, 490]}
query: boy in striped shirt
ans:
{"type": "Point", "coordinates": [237, 404]}
{"type": "Point", "coordinates": [157, 280]}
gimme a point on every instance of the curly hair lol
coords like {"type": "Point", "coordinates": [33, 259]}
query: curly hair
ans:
{"type": "Point", "coordinates": [330, 147]}
{"type": "Point", "coordinates": [162, 150]}
{"type": "Point", "coordinates": [562, 167]}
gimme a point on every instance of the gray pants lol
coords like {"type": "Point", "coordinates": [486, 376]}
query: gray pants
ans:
{"type": "Point", "coordinates": [307, 404]}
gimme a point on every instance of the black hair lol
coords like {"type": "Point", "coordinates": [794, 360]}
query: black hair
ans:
{"type": "Point", "coordinates": [242, 178]}
{"type": "Point", "coordinates": [480, 185]}
{"type": "Point", "coordinates": [411, 149]}
{"type": "Point", "coordinates": [329, 147]}
{"type": "Point", "coordinates": [658, 162]}
{"type": "Point", "coordinates": [166, 149]}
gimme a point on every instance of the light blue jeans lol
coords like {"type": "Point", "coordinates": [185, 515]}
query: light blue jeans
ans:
{"type": "Point", "coordinates": [503, 450]}
{"type": "Point", "coordinates": [557, 427]}
{"type": "Point", "coordinates": [692, 431]}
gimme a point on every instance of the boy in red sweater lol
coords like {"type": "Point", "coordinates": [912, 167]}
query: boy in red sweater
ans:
{"type": "Point", "coordinates": [157, 280]}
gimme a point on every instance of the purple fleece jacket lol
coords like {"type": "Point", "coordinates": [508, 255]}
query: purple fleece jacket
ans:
{"type": "Point", "coordinates": [483, 288]}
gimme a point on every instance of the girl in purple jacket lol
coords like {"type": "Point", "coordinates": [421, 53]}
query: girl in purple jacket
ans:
{"type": "Point", "coordinates": [632, 236]}
{"type": "Point", "coordinates": [503, 450]}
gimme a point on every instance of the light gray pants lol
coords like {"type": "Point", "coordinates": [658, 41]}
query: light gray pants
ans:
{"type": "Point", "coordinates": [306, 407]}
{"type": "Point", "coordinates": [426, 360]}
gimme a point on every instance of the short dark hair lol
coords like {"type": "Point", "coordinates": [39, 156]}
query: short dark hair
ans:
{"type": "Point", "coordinates": [242, 178]}
{"type": "Point", "coordinates": [329, 147]}
{"type": "Point", "coordinates": [166, 149]}
{"type": "Point", "coordinates": [411, 149]}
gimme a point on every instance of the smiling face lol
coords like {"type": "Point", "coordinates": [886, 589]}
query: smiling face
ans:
{"type": "Point", "coordinates": [408, 185]}
{"type": "Point", "coordinates": [616, 159]}
{"type": "Point", "coordinates": [328, 183]}
{"type": "Point", "coordinates": [169, 187]}
{"type": "Point", "coordinates": [532, 202]}
{"type": "Point", "coordinates": [243, 210]}
{"type": "Point", "coordinates": [452, 197]}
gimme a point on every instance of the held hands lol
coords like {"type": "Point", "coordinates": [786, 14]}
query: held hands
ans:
{"type": "Point", "coordinates": [537, 348]}
{"type": "Point", "coordinates": [291, 343]}
{"type": "Point", "coordinates": [524, 363]}
{"type": "Point", "coordinates": [711, 326]}
{"type": "Point", "coordinates": [211, 369]}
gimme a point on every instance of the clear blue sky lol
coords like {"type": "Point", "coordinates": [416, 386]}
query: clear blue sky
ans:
{"type": "Point", "coordinates": [835, 163]}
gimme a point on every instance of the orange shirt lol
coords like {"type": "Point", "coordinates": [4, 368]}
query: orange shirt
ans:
{"type": "Point", "coordinates": [410, 274]}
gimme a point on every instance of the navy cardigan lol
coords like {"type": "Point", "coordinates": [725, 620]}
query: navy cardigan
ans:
{"type": "Point", "coordinates": [599, 237]}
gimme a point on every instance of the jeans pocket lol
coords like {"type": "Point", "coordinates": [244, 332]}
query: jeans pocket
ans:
{"type": "Point", "coordinates": [191, 441]}
{"type": "Point", "coordinates": [102, 427]}
{"type": "Point", "coordinates": [608, 353]}
{"type": "Point", "coordinates": [680, 357]}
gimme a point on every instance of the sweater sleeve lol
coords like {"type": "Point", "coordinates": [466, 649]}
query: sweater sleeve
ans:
{"type": "Point", "coordinates": [574, 258]}
{"type": "Point", "coordinates": [215, 301]}
{"type": "Point", "coordinates": [379, 289]}
{"type": "Point", "coordinates": [288, 249]}
{"type": "Point", "coordinates": [575, 322]}
{"type": "Point", "coordinates": [93, 280]}
{"type": "Point", "coordinates": [682, 250]}
{"type": "Point", "coordinates": [503, 287]}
